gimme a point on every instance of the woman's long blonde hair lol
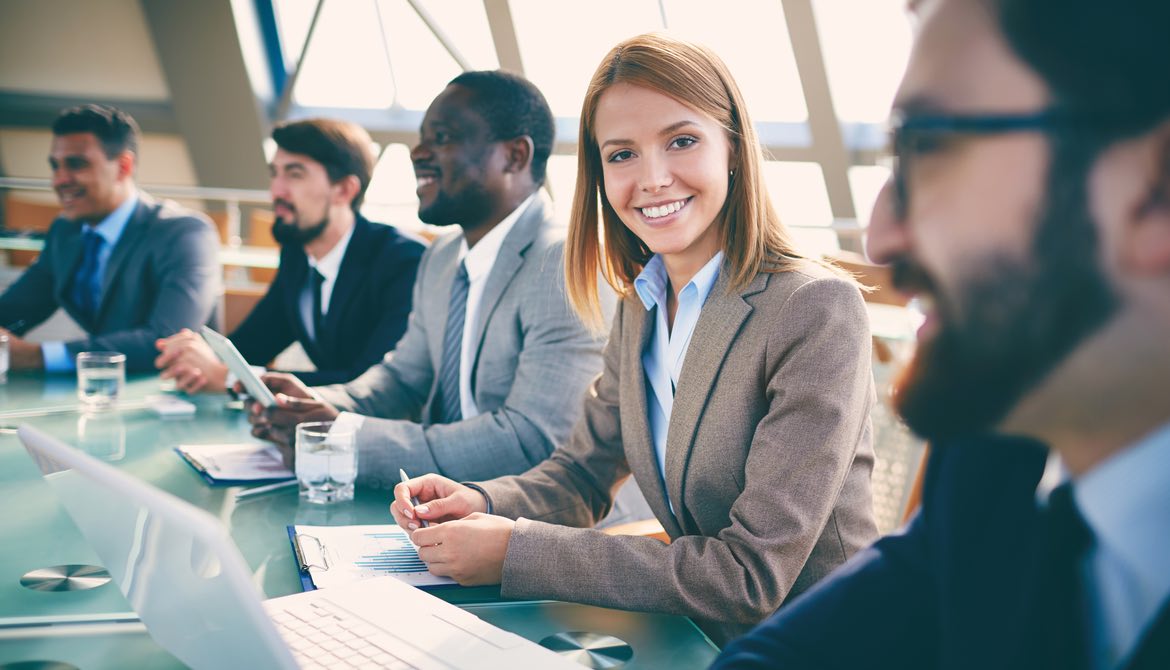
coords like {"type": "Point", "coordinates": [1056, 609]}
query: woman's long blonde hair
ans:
{"type": "Point", "coordinates": [751, 235]}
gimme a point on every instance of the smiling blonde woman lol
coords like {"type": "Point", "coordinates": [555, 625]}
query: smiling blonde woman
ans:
{"type": "Point", "coordinates": [736, 389]}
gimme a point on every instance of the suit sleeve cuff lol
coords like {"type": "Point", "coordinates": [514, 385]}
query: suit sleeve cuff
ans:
{"type": "Point", "coordinates": [57, 358]}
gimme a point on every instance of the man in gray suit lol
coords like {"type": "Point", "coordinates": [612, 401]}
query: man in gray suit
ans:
{"type": "Point", "coordinates": [489, 376]}
{"type": "Point", "coordinates": [126, 268]}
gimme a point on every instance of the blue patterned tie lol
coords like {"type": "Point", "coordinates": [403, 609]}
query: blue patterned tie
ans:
{"type": "Point", "coordinates": [87, 283]}
{"type": "Point", "coordinates": [448, 405]}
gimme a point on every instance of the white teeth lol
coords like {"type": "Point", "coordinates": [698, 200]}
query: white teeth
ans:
{"type": "Point", "coordinates": [423, 181]}
{"type": "Point", "coordinates": [663, 210]}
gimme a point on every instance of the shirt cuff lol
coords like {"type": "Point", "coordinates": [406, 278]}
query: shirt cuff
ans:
{"type": "Point", "coordinates": [348, 421]}
{"type": "Point", "coordinates": [57, 358]}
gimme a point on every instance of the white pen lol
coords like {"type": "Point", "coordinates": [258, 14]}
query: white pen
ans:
{"type": "Point", "coordinates": [413, 499]}
{"type": "Point", "coordinates": [267, 488]}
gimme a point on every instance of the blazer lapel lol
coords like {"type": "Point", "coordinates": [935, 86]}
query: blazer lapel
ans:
{"type": "Point", "coordinates": [508, 262]}
{"type": "Point", "coordinates": [719, 323]}
{"type": "Point", "coordinates": [639, 446]}
{"type": "Point", "coordinates": [131, 237]}
{"type": "Point", "coordinates": [1153, 650]}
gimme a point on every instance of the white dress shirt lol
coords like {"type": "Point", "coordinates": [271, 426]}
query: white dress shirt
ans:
{"type": "Point", "coordinates": [1126, 503]}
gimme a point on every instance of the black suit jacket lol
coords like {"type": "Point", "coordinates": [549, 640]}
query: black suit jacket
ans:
{"type": "Point", "coordinates": [163, 275]}
{"type": "Point", "coordinates": [956, 589]}
{"type": "Point", "coordinates": [367, 310]}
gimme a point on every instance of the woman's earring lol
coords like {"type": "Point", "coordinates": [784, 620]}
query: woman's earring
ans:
{"type": "Point", "coordinates": [731, 173]}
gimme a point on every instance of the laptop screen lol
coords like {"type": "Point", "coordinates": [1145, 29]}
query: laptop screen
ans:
{"type": "Point", "coordinates": [175, 563]}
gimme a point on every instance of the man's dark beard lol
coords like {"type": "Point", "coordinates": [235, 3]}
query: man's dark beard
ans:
{"type": "Point", "coordinates": [1015, 322]}
{"type": "Point", "coordinates": [287, 234]}
{"type": "Point", "coordinates": [467, 207]}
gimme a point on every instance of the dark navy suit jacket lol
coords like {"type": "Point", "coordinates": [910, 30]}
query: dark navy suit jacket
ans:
{"type": "Point", "coordinates": [367, 310]}
{"type": "Point", "coordinates": [956, 589]}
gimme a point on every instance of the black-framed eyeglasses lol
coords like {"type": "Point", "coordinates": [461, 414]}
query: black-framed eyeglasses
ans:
{"type": "Point", "coordinates": [916, 134]}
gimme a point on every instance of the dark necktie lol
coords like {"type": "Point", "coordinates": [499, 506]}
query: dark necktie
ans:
{"type": "Point", "coordinates": [448, 405]}
{"type": "Point", "coordinates": [87, 283]}
{"type": "Point", "coordinates": [1062, 639]}
{"type": "Point", "coordinates": [318, 316]}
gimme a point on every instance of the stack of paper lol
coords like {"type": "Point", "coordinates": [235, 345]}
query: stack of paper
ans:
{"type": "Point", "coordinates": [234, 464]}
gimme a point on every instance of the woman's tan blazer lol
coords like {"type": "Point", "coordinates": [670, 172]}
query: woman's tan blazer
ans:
{"type": "Point", "coordinates": [768, 461]}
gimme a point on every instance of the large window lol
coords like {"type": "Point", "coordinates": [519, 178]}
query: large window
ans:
{"type": "Point", "coordinates": [380, 62]}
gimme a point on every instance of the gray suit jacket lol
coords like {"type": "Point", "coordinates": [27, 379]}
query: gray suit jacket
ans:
{"type": "Point", "coordinates": [768, 462]}
{"type": "Point", "coordinates": [533, 362]}
{"type": "Point", "coordinates": [162, 276]}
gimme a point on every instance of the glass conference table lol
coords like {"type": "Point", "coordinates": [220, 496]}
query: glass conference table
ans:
{"type": "Point", "coordinates": [96, 628]}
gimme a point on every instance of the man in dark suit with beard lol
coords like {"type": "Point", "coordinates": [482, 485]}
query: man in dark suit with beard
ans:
{"type": "Point", "coordinates": [344, 286]}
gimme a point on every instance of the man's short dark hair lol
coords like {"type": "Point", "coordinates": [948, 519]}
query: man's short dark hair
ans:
{"type": "Point", "coordinates": [1103, 59]}
{"type": "Point", "coordinates": [116, 130]}
{"type": "Point", "coordinates": [513, 107]}
{"type": "Point", "coordinates": [341, 147]}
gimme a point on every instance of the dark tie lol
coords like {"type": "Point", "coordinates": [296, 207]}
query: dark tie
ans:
{"type": "Point", "coordinates": [87, 283]}
{"type": "Point", "coordinates": [318, 317]}
{"type": "Point", "coordinates": [1062, 639]}
{"type": "Point", "coordinates": [448, 406]}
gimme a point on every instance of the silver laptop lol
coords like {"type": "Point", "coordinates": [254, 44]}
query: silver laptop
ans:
{"type": "Point", "coordinates": [182, 574]}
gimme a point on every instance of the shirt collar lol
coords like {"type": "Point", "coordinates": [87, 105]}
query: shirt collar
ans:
{"type": "Point", "coordinates": [479, 259]}
{"type": "Point", "coordinates": [111, 227]}
{"type": "Point", "coordinates": [330, 264]}
{"type": "Point", "coordinates": [1124, 500]}
{"type": "Point", "coordinates": [651, 282]}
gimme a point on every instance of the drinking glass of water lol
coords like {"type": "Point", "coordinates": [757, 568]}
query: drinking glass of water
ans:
{"type": "Point", "coordinates": [100, 378]}
{"type": "Point", "coordinates": [326, 462]}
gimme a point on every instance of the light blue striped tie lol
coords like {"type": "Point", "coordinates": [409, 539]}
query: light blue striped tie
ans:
{"type": "Point", "coordinates": [448, 403]}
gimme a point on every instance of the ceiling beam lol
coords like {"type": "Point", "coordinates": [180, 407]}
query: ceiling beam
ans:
{"type": "Point", "coordinates": [35, 110]}
{"type": "Point", "coordinates": [214, 105]}
{"type": "Point", "coordinates": [827, 141]}
{"type": "Point", "coordinates": [499, 17]}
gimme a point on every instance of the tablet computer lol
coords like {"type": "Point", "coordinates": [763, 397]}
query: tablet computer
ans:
{"type": "Point", "coordinates": [232, 358]}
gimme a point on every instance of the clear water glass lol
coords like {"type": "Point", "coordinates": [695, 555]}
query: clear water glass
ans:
{"type": "Point", "coordinates": [101, 375]}
{"type": "Point", "coordinates": [326, 462]}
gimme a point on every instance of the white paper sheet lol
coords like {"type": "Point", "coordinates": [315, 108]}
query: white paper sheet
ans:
{"type": "Point", "coordinates": [360, 552]}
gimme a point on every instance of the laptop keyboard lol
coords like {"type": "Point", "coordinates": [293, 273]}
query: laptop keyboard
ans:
{"type": "Point", "coordinates": [322, 635]}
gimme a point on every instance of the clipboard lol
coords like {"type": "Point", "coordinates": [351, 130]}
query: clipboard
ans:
{"type": "Point", "coordinates": [335, 555]}
{"type": "Point", "coordinates": [212, 480]}
{"type": "Point", "coordinates": [303, 563]}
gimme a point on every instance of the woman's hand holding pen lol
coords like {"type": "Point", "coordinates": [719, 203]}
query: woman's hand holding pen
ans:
{"type": "Point", "coordinates": [463, 542]}
{"type": "Point", "coordinates": [442, 500]}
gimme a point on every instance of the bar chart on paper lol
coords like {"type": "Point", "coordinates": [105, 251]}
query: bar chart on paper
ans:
{"type": "Point", "coordinates": [342, 554]}
{"type": "Point", "coordinates": [389, 553]}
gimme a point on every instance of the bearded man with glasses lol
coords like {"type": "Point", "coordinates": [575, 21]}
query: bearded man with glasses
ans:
{"type": "Point", "coordinates": [1029, 210]}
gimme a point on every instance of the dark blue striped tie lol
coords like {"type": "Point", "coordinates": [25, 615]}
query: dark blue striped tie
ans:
{"type": "Point", "coordinates": [87, 283]}
{"type": "Point", "coordinates": [448, 402]}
